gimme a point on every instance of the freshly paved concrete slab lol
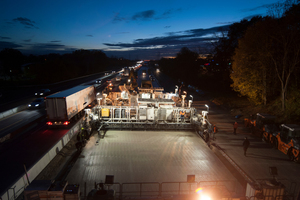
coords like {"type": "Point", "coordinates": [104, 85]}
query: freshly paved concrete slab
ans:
{"type": "Point", "coordinates": [147, 156]}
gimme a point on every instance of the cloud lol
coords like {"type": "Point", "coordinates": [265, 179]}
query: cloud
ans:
{"type": "Point", "coordinates": [26, 22]}
{"type": "Point", "coordinates": [55, 41]}
{"type": "Point", "coordinates": [251, 16]}
{"type": "Point", "coordinates": [46, 48]}
{"type": "Point", "coordinates": [89, 36]}
{"type": "Point", "coordinates": [145, 15]}
{"type": "Point", "coordinates": [29, 40]}
{"type": "Point", "coordinates": [117, 18]}
{"type": "Point", "coordinates": [4, 38]}
{"type": "Point", "coordinates": [167, 13]}
{"type": "Point", "coordinates": [264, 6]}
{"type": "Point", "coordinates": [12, 45]}
{"type": "Point", "coordinates": [167, 27]}
{"type": "Point", "coordinates": [172, 43]}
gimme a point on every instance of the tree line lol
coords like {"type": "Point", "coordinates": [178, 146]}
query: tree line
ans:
{"type": "Point", "coordinates": [16, 68]}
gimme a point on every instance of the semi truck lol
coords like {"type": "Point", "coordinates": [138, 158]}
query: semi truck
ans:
{"type": "Point", "coordinates": [67, 106]}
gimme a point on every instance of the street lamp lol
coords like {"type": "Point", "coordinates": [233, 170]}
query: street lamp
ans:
{"type": "Point", "coordinates": [190, 101]}
{"type": "Point", "coordinates": [183, 97]}
{"type": "Point", "coordinates": [207, 107]}
{"type": "Point", "coordinates": [176, 89]}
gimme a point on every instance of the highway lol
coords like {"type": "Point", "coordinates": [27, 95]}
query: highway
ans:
{"type": "Point", "coordinates": [13, 125]}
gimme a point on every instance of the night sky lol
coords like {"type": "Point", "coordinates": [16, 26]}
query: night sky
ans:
{"type": "Point", "coordinates": [131, 29]}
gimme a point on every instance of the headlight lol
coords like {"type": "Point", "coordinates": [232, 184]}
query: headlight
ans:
{"type": "Point", "coordinates": [29, 105]}
{"type": "Point", "coordinates": [35, 93]}
{"type": "Point", "coordinates": [41, 93]}
{"type": "Point", "coordinates": [36, 105]}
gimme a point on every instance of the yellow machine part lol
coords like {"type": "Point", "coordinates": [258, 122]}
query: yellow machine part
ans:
{"type": "Point", "coordinates": [105, 112]}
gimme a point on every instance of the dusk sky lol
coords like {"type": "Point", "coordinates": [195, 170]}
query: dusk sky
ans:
{"type": "Point", "coordinates": [131, 29]}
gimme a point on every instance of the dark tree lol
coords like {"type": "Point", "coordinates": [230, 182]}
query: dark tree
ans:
{"type": "Point", "coordinates": [11, 60]}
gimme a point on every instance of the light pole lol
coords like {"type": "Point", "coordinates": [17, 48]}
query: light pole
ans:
{"type": "Point", "coordinates": [182, 103]}
{"type": "Point", "coordinates": [207, 108]}
{"type": "Point", "coordinates": [190, 101]}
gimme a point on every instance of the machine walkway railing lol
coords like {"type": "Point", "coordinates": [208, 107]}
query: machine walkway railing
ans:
{"type": "Point", "coordinates": [224, 188]}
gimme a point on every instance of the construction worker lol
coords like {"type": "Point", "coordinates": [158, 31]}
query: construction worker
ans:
{"type": "Point", "coordinates": [246, 144]}
{"type": "Point", "coordinates": [235, 125]}
{"type": "Point", "coordinates": [215, 131]}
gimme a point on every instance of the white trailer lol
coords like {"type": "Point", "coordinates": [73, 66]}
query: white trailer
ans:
{"type": "Point", "coordinates": [67, 106]}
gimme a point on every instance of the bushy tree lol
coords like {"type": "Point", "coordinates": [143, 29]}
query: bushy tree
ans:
{"type": "Point", "coordinates": [251, 69]}
{"type": "Point", "coordinates": [266, 58]}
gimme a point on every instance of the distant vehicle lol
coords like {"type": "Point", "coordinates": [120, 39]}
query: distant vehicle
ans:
{"type": "Point", "coordinates": [99, 81]}
{"type": "Point", "coordinates": [126, 72]}
{"type": "Point", "coordinates": [42, 92]}
{"type": "Point", "coordinates": [36, 104]}
{"type": "Point", "coordinates": [118, 78]}
{"type": "Point", "coordinates": [144, 72]}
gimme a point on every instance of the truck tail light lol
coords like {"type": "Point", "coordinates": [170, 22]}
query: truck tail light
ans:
{"type": "Point", "coordinates": [66, 123]}
{"type": "Point", "coordinates": [49, 123]}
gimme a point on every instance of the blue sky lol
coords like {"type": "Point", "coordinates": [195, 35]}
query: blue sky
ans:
{"type": "Point", "coordinates": [131, 29]}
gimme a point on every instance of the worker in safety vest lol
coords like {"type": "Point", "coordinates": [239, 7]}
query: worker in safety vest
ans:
{"type": "Point", "coordinates": [215, 131]}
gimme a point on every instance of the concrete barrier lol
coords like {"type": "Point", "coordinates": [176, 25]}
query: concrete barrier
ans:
{"type": "Point", "coordinates": [20, 130]}
{"type": "Point", "coordinates": [18, 187]}
{"type": "Point", "coordinates": [12, 111]}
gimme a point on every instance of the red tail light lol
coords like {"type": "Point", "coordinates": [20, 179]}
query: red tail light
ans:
{"type": "Point", "coordinates": [49, 123]}
{"type": "Point", "coordinates": [66, 123]}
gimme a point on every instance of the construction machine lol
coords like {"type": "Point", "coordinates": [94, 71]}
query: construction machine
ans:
{"type": "Point", "coordinates": [259, 123]}
{"type": "Point", "coordinates": [288, 140]}
{"type": "Point", "coordinates": [268, 131]}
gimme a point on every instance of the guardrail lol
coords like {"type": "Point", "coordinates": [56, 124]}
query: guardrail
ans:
{"type": "Point", "coordinates": [12, 111]}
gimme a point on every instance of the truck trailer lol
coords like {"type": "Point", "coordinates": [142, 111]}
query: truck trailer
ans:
{"type": "Point", "coordinates": [67, 106]}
